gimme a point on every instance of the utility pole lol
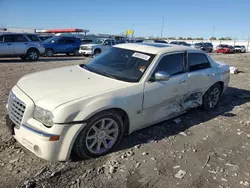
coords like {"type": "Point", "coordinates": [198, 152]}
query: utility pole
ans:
{"type": "Point", "coordinates": [213, 31]}
{"type": "Point", "coordinates": [162, 26]}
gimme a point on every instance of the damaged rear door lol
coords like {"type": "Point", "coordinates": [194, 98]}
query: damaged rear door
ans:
{"type": "Point", "coordinates": [162, 99]}
{"type": "Point", "coordinates": [201, 76]}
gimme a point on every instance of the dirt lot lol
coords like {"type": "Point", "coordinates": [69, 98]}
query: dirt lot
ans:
{"type": "Point", "coordinates": [213, 148]}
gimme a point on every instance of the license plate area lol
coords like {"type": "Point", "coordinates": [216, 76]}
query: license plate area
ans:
{"type": "Point", "coordinates": [10, 125]}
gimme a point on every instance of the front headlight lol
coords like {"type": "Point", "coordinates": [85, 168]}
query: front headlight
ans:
{"type": "Point", "coordinates": [44, 116]}
{"type": "Point", "coordinates": [89, 47]}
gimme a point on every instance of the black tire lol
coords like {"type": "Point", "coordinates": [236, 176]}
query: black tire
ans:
{"type": "Point", "coordinates": [23, 57]}
{"type": "Point", "coordinates": [76, 52]}
{"type": "Point", "coordinates": [32, 55]}
{"type": "Point", "coordinates": [208, 94]}
{"type": "Point", "coordinates": [96, 52]}
{"type": "Point", "coordinates": [80, 146]}
{"type": "Point", "coordinates": [49, 52]}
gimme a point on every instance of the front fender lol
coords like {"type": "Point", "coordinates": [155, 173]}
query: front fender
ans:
{"type": "Point", "coordinates": [83, 111]}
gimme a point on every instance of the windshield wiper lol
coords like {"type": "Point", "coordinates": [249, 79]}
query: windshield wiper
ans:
{"type": "Point", "coordinates": [97, 71]}
{"type": "Point", "coordinates": [106, 74]}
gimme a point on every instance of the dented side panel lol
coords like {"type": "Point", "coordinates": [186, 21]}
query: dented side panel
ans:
{"type": "Point", "coordinates": [163, 99]}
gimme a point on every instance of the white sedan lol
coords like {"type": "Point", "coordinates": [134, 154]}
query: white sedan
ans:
{"type": "Point", "coordinates": [89, 108]}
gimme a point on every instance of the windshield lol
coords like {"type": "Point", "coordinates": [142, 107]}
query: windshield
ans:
{"type": "Point", "coordinates": [98, 41]}
{"type": "Point", "coordinates": [121, 64]}
{"type": "Point", "coordinates": [49, 40]}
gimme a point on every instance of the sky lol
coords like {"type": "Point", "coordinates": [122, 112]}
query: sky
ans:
{"type": "Point", "coordinates": [186, 18]}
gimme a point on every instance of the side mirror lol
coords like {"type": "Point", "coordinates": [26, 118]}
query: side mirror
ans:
{"type": "Point", "coordinates": [161, 76]}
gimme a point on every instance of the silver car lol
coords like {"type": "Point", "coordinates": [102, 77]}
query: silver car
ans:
{"type": "Point", "coordinates": [25, 46]}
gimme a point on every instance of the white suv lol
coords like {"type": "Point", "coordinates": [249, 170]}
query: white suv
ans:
{"type": "Point", "coordinates": [25, 46]}
{"type": "Point", "coordinates": [241, 49]}
{"type": "Point", "coordinates": [96, 47]}
{"type": "Point", "coordinates": [89, 108]}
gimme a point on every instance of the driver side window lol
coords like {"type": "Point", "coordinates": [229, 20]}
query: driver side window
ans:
{"type": "Point", "coordinates": [171, 64]}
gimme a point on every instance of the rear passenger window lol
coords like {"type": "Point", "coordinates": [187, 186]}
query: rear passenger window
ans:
{"type": "Point", "coordinates": [8, 38]}
{"type": "Point", "coordinates": [171, 64]}
{"type": "Point", "coordinates": [197, 61]}
{"type": "Point", "coordinates": [33, 37]}
{"type": "Point", "coordinates": [19, 38]}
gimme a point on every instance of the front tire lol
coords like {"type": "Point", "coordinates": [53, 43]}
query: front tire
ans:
{"type": "Point", "coordinates": [96, 52]}
{"type": "Point", "coordinates": [49, 53]}
{"type": "Point", "coordinates": [102, 134]}
{"type": "Point", "coordinates": [211, 97]}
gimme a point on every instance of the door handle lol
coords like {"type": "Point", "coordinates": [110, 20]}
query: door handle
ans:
{"type": "Point", "coordinates": [182, 81]}
{"type": "Point", "coordinates": [9, 44]}
{"type": "Point", "coordinates": [25, 43]}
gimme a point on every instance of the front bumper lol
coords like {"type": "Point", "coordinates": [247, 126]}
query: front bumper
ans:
{"type": "Point", "coordinates": [86, 52]}
{"type": "Point", "coordinates": [53, 144]}
{"type": "Point", "coordinates": [48, 146]}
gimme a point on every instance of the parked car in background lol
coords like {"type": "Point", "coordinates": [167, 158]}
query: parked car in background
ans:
{"type": "Point", "coordinates": [224, 48]}
{"type": "Point", "coordinates": [155, 41]}
{"type": "Point", "coordinates": [120, 41]}
{"type": "Point", "coordinates": [138, 40]}
{"type": "Point", "coordinates": [67, 45]}
{"type": "Point", "coordinates": [44, 37]}
{"type": "Point", "coordinates": [182, 43]}
{"type": "Point", "coordinates": [26, 46]}
{"type": "Point", "coordinates": [241, 49]}
{"type": "Point", "coordinates": [96, 47]}
{"type": "Point", "coordinates": [86, 41]}
{"type": "Point", "coordinates": [90, 107]}
{"type": "Point", "coordinates": [205, 46]}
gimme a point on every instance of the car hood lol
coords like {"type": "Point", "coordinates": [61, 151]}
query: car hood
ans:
{"type": "Point", "coordinates": [90, 45]}
{"type": "Point", "coordinates": [52, 88]}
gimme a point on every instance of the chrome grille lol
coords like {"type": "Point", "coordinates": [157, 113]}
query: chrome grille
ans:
{"type": "Point", "coordinates": [84, 48]}
{"type": "Point", "coordinates": [16, 109]}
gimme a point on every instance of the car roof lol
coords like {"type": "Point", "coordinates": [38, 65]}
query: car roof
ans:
{"type": "Point", "coordinates": [155, 48]}
{"type": "Point", "coordinates": [19, 34]}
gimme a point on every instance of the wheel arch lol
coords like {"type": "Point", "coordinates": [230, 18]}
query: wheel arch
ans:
{"type": "Point", "coordinates": [120, 111]}
{"type": "Point", "coordinates": [32, 48]}
{"type": "Point", "coordinates": [98, 49]}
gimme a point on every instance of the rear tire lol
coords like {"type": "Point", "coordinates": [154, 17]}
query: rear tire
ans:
{"type": "Point", "coordinates": [32, 55]}
{"type": "Point", "coordinates": [49, 53]}
{"type": "Point", "coordinates": [211, 97]}
{"type": "Point", "coordinates": [102, 134]}
{"type": "Point", "coordinates": [76, 52]}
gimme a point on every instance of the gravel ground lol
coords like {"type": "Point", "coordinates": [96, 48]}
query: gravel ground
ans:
{"type": "Point", "coordinates": [206, 149]}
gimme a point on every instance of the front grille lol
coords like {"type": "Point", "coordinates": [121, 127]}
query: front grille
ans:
{"type": "Point", "coordinates": [84, 48]}
{"type": "Point", "coordinates": [16, 109]}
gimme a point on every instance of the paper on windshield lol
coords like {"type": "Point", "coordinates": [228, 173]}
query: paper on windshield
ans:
{"type": "Point", "coordinates": [141, 56]}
